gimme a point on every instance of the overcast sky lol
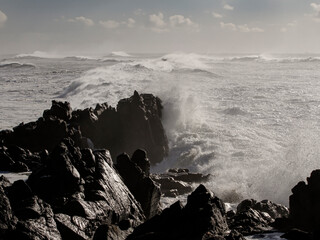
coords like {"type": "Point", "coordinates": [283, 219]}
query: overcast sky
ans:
{"type": "Point", "coordinates": [204, 26]}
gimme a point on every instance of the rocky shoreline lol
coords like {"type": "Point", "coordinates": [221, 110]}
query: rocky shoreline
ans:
{"type": "Point", "coordinates": [91, 180]}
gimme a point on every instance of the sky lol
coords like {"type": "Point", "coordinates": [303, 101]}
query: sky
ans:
{"type": "Point", "coordinates": [150, 26]}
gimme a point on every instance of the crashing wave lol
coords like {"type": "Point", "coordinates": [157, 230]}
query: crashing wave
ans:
{"type": "Point", "coordinates": [120, 54]}
{"type": "Point", "coordinates": [39, 54]}
{"type": "Point", "coordinates": [16, 65]}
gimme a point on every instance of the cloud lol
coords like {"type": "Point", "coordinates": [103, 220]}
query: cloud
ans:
{"type": "Point", "coordinates": [228, 7]}
{"type": "Point", "coordinates": [316, 8]}
{"type": "Point", "coordinates": [86, 21]}
{"type": "Point", "coordinates": [228, 26]}
{"type": "Point", "coordinates": [130, 23]}
{"type": "Point", "coordinates": [216, 15]}
{"type": "Point", "coordinates": [110, 24]}
{"type": "Point", "coordinates": [180, 21]}
{"type": "Point", "coordinates": [246, 29]}
{"type": "Point", "coordinates": [241, 28]}
{"type": "Point", "coordinates": [158, 23]}
{"type": "Point", "coordinates": [3, 18]}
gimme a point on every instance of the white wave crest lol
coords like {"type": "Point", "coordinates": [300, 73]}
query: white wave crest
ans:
{"type": "Point", "coordinates": [39, 54]}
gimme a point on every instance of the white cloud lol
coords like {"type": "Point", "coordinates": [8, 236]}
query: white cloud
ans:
{"type": "Point", "coordinates": [139, 12]}
{"type": "Point", "coordinates": [216, 15]}
{"type": "Point", "coordinates": [284, 30]}
{"type": "Point", "coordinates": [228, 26]}
{"type": "Point", "coordinates": [131, 22]}
{"type": "Point", "coordinates": [180, 21]}
{"type": "Point", "coordinates": [110, 24]}
{"type": "Point", "coordinates": [158, 23]}
{"type": "Point", "coordinates": [228, 7]}
{"type": "Point", "coordinates": [316, 8]}
{"type": "Point", "coordinates": [157, 20]}
{"type": "Point", "coordinates": [241, 28]}
{"type": "Point", "coordinates": [245, 28]}
{"type": "Point", "coordinates": [86, 21]}
{"type": "Point", "coordinates": [3, 18]}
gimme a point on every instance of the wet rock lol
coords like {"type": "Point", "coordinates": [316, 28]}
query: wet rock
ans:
{"type": "Point", "coordinates": [59, 110]}
{"type": "Point", "coordinates": [7, 220]}
{"type": "Point", "coordinates": [304, 204]}
{"type": "Point", "coordinates": [202, 218]}
{"type": "Point", "coordinates": [178, 181]}
{"type": "Point", "coordinates": [145, 190]}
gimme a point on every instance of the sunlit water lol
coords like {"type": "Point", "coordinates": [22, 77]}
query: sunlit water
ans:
{"type": "Point", "coordinates": [250, 121]}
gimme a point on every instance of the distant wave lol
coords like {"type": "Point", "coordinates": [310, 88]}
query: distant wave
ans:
{"type": "Point", "coordinates": [16, 65]}
{"type": "Point", "coordinates": [267, 58]}
{"type": "Point", "coordinates": [81, 58]}
{"type": "Point", "coordinates": [120, 54]}
{"type": "Point", "coordinates": [39, 54]}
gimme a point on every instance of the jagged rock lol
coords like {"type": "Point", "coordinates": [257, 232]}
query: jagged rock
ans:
{"type": "Point", "coordinates": [6, 216]}
{"type": "Point", "coordinates": [84, 190]}
{"type": "Point", "coordinates": [140, 158]}
{"type": "Point", "coordinates": [111, 232]}
{"type": "Point", "coordinates": [136, 123]}
{"type": "Point", "coordinates": [59, 110]}
{"type": "Point", "coordinates": [250, 222]}
{"type": "Point", "coordinates": [142, 187]}
{"type": "Point", "coordinates": [296, 234]}
{"type": "Point", "coordinates": [178, 181]}
{"type": "Point", "coordinates": [255, 217]}
{"type": "Point", "coordinates": [273, 209]}
{"type": "Point", "coordinates": [304, 204]}
{"type": "Point", "coordinates": [170, 187]}
{"type": "Point", "coordinates": [202, 218]}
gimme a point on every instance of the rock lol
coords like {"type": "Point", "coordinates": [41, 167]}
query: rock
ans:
{"type": "Point", "coordinates": [296, 234]}
{"type": "Point", "coordinates": [304, 204]}
{"type": "Point", "coordinates": [111, 232]}
{"type": "Point", "coordinates": [202, 218]}
{"type": "Point", "coordinates": [170, 187]}
{"type": "Point", "coordinates": [59, 110]}
{"type": "Point", "coordinates": [7, 220]}
{"type": "Point", "coordinates": [250, 222]}
{"type": "Point", "coordinates": [178, 181]}
{"type": "Point", "coordinates": [273, 209]}
{"type": "Point", "coordinates": [134, 124]}
{"type": "Point", "coordinates": [255, 217]}
{"type": "Point", "coordinates": [140, 158]}
{"type": "Point", "coordinates": [142, 187]}
{"type": "Point", "coordinates": [84, 191]}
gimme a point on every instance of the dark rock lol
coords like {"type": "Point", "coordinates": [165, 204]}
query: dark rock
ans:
{"type": "Point", "coordinates": [234, 235]}
{"type": "Point", "coordinates": [84, 191]}
{"type": "Point", "coordinates": [202, 218]}
{"type": "Point", "coordinates": [296, 234]}
{"type": "Point", "coordinates": [59, 110]}
{"type": "Point", "coordinates": [250, 222]}
{"type": "Point", "coordinates": [171, 187]}
{"type": "Point", "coordinates": [142, 187]}
{"type": "Point", "coordinates": [178, 181]}
{"type": "Point", "coordinates": [6, 215]}
{"type": "Point", "coordinates": [111, 232]}
{"type": "Point", "coordinates": [273, 209]}
{"type": "Point", "coordinates": [304, 204]}
{"type": "Point", "coordinates": [140, 158]}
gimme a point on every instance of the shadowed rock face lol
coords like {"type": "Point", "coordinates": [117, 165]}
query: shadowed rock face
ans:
{"type": "Point", "coordinates": [202, 218]}
{"type": "Point", "coordinates": [136, 123]}
{"type": "Point", "coordinates": [304, 204]}
{"type": "Point", "coordinates": [135, 174]}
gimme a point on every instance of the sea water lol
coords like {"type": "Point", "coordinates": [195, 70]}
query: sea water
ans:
{"type": "Point", "coordinates": [251, 121]}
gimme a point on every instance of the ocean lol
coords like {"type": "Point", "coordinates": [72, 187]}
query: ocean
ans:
{"type": "Point", "coordinates": [251, 121]}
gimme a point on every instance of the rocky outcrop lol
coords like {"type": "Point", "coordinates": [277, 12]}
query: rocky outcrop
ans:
{"type": "Point", "coordinates": [304, 204]}
{"type": "Point", "coordinates": [178, 181]}
{"type": "Point", "coordinates": [254, 217]}
{"type": "Point", "coordinates": [135, 123]}
{"type": "Point", "coordinates": [135, 174]}
{"type": "Point", "coordinates": [203, 217]}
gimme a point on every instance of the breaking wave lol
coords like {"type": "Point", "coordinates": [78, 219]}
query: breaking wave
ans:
{"type": "Point", "coordinates": [16, 65]}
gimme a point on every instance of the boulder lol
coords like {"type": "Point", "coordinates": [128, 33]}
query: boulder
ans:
{"type": "Point", "coordinates": [7, 220]}
{"type": "Point", "coordinates": [144, 189]}
{"type": "Point", "coordinates": [304, 204]}
{"type": "Point", "coordinates": [203, 217]}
